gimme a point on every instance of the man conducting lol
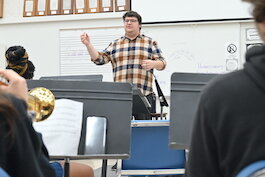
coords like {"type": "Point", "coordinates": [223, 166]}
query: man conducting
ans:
{"type": "Point", "coordinates": [133, 57]}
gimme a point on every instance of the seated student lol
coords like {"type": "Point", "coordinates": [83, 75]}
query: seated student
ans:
{"type": "Point", "coordinates": [17, 60]}
{"type": "Point", "coordinates": [228, 132]}
{"type": "Point", "coordinates": [20, 146]}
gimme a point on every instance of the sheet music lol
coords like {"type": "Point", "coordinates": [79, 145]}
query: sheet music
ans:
{"type": "Point", "coordinates": [74, 57]}
{"type": "Point", "coordinates": [62, 130]}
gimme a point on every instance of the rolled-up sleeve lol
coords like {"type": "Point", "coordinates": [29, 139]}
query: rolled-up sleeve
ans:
{"type": "Point", "coordinates": [157, 54]}
{"type": "Point", "coordinates": [104, 56]}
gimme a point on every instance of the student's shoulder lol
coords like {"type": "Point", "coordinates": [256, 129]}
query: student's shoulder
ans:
{"type": "Point", "coordinates": [224, 84]}
{"type": "Point", "coordinates": [227, 79]}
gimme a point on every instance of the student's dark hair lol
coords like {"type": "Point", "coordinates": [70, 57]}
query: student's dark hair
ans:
{"type": "Point", "coordinates": [17, 60]}
{"type": "Point", "coordinates": [133, 14]}
{"type": "Point", "coordinates": [8, 114]}
{"type": "Point", "coordinates": [258, 10]}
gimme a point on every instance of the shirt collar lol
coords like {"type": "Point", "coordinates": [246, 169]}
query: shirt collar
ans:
{"type": "Point", "coordinates": [139, 36]}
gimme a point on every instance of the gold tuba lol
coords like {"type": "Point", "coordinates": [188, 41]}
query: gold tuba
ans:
{"type": "Point", "coordinates": [41, 102]}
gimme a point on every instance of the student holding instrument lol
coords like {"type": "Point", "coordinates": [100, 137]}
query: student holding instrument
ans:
{"type": "Point", "coordinates": [18, 60]}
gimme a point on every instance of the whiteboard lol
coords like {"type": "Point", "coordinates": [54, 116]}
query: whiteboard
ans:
{"type": "Point", "coordinates": [190, 10]}
{"type": "Point", "coordinates": [187, 48]}
{"type": "Point", "coordinates": [74, 58]}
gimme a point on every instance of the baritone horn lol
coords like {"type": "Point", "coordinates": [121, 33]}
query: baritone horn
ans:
{"type": "Point", "coordinates": [41, 102]}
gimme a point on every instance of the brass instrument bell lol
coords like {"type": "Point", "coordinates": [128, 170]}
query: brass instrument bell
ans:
{"type": "Point", "coordinates": [41, 102]}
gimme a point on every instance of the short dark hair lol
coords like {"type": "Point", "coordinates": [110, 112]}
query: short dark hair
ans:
{"type": "Point", "coordinates": [258, 10]}
{"type": "Point", "coordinates": [133, 14]}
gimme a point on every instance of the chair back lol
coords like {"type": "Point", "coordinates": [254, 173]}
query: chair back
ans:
{"type": "Point", "coordinates": [150, 153]}
{"type": "Point", "coordinates": [256, 169]}
{"type": "Point", "coordinates": [95, 142]}
{"type": "Point", "coordinates": [3, 173]}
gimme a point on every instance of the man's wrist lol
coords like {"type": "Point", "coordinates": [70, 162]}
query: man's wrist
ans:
{"type": "Point", "coordinates": [88, 44]}
{"type": "Point", "coordinates": [160, 65]}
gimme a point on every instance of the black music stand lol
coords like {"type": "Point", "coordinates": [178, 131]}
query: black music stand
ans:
{"type": "Point", "coordinates": [185, 93]}
{"type": "Point", "coordinates": [94, 77]}
{"type": "Point", "coordinates": [103, 99]}
{"type": "Point", "coordinates": [140, 102]}
{"type": "Point", "coordinates": [161, 98]}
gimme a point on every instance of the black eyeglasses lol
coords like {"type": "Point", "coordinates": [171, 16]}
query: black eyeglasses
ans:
{"type": "Point", "coordinates": [130, 20]}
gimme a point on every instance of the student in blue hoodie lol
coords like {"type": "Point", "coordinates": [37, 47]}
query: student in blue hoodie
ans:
{"type": "Point", "coordinates": [228, 132]}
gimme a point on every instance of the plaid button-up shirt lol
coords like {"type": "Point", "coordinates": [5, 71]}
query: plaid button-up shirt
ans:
{"type": "Point", "coordinates": [126, 57]}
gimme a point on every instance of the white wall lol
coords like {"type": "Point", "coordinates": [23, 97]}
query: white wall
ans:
{"type": "Point", "coordinates": [41, 39]}
{"type": "Point", "coordinates": [40, 35]}
{"type": "Point", "coordinates": [186, 10]}
{"type": "Point", "coordinates": [196, 48]}
{"type": "Point", "coordinates": [249, 37]}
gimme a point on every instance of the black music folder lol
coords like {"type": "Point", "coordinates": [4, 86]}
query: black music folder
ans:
{"type": "Point", "coordinates": [185, 93]}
